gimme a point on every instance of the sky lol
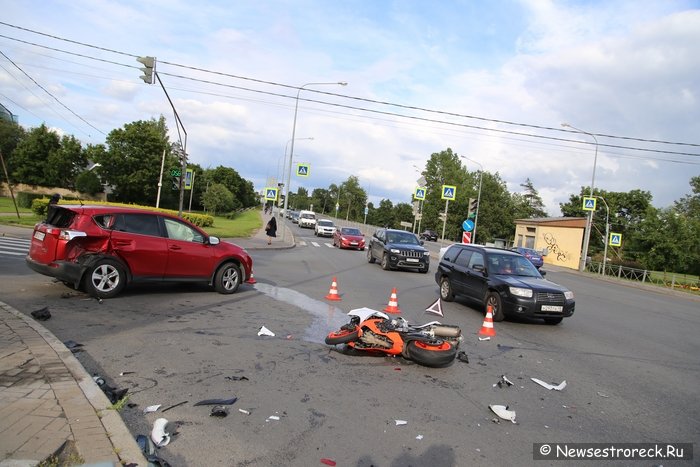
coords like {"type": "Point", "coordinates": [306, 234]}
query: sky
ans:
{"type": "Point", "coordinates": [492, 80]}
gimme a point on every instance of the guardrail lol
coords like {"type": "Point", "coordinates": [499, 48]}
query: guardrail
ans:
{"type": "Point", "coordinates": [664, 279]}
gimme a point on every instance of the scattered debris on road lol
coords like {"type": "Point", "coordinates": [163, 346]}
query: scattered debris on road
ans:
{"type": "Point", "coordinates": [558, 387]}
{"type": "Point", "coordinates": [503, 412]}
{"type": "Point", "coordinates": [159, 435]}
{"type": "Point", "coordinates": [42, 314]}
{"type": "Point", "coordinates": [265, 332]}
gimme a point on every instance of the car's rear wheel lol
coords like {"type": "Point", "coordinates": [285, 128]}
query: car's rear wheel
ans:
{"type": "Point", "coordinates": [385, 262]}
{"type": "Point", "coordinates": [494, 300]}
{"type": "Point", "coordinates": [553, 321]}
{"type": "Point", "coordinates": [446, 292]}
{"type": "Point", "coordinates": [227, 279]}
{"type": "Point", "coordinates": [370, 257]}
{"type": "Point", "coordinates": [105, 279]}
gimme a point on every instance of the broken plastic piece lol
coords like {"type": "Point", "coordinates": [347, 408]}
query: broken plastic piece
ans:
{"type": "Point", "coordinates": [419, 437]}
{"type": "Point", "coordinates": [503, 412]}
{"type": "Point", "coordinates": [244, 411]}
{"type": "Point", "coordinates": [503, 382]}
{"type": "Point", "coordinates": [217, 401]}
{"type": "Point", "coordinates": [151, 408]}
{"type": "Point", "coordinates": [175, 405]}
{"type": "Point", "coordinates": [462, 356]}
{"type": "Point", "coordinates": [488, 338]}
{"type": "Point", "coordinates": [327, 461]}
{"type": "Point", "coordinates": [400, 422]}
{"type": "Point", "coordinates": [602, 395]}
{"type": "Point", "coordinates": [124, 373]}
{"type": "Point", "coordinates": [236, 378]}
{"type": "Point", "coordinates": [219, 411]}
{"type": "Point", "coordinates": [42, 314]}
{"type": "Point", "coordinates": [273, 417]}
{"type": "Point", "coordinates": [159, 436]}
{"type": "Point", "coordinates": [265, 332]}
{"type": "Point", "coordinates": [558, 387]}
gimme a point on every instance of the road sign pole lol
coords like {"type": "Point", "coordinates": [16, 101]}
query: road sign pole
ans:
{"type": "Point", "coordinates": [444, 221]}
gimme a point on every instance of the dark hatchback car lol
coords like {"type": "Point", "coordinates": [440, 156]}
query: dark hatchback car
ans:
{"type": "Point", "coordinates": [100, 249]}
{"type": "Point", "coordinates": [430, 235]}
{"type": "Point", "coordinates": [535, 257]}
{"type": "Point", "coordinates": [503, 279]}
{"type": "Point", "coordinates": [398, 249]}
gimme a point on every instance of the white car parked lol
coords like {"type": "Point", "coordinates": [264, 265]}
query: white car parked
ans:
{"type": "Point", "coordinates": [324, 228]}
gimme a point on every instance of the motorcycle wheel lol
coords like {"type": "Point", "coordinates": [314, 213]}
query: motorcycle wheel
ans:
{"type": "Point", "coordinates": [343, 336]}
{"type": "Point", "coordinates": [435, 354]}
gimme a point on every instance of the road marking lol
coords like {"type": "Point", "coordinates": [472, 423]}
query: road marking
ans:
{"type": "Point", "coordinates": [330, 245]}
{"type": "Point", "coordinates": [315, 244]}
{"type": "Point", "coordinates": [14, 246]}
{"type": "Point", "coordinates": [302, 243]}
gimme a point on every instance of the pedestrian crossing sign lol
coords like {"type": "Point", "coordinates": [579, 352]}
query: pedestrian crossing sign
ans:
{"type": "Point", "coordinates": [270, 194]}
{"type": "Point", "coordinates": [449, 192]}
{"type": "Point", "coordinates": [588, 203]}
{"type": "Point", "coordinates": [615, 239]}
{"type": "Point", "coordinates": [419, 193]}
{"type": "Point", "coordinates": [302, 170]}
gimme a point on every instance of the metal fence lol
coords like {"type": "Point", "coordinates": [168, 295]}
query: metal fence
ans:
{"type": "Point", "coordinates": [665, 279]}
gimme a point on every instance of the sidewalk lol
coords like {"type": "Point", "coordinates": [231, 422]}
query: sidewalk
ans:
{"type": "Point", "coordinates": [50, 404]}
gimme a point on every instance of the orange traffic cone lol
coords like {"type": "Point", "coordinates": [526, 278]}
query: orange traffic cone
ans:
{"type": "Point", "coordinates": [251, 279]}
{"type": "Point", "coordinates": [487, 328]}
{"type": "Point", "coordinates": [333, 293]}
{"type": "Point", "coordinates": [393, 306]}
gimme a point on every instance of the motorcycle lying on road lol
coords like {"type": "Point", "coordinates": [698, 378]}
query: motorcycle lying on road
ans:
{"type": "Point", "coordinates": [431, 344]}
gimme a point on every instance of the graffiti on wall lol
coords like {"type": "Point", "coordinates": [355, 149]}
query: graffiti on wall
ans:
{"type": "Point", "coordinates": [554, 248]}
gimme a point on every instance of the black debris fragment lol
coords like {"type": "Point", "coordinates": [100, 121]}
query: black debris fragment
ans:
{"type": "Point", "coordinates": [503, 382]}
{"type": "Point", "coordinates": [41, 314]}
{"type": "Point", "coordinates": [462, 356]}
{"type": "Point", "coordinates": [175, 405]}
{"type": "Point", "coordinates": [219, 411]}
{"type": "Point", "coordinates": [217, 401]}
{"type": "Point", "coordinates": [149, 451]}
{"type": "Point", "coordinates": [73, 346]}
{"type": "Point", "coordinates": [113, 394]}
{"type": "Point", "coordinates": [236, 378]}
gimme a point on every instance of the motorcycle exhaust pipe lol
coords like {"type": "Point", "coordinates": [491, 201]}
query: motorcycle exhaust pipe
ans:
{"type": "Point", "coordinates": [446, 330]}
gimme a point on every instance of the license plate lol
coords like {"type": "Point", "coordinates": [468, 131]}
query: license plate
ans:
{"type": "Point", "coordinates": [552, 308]}
{"type": "Point", "coordinates": [413, 260]}
{"type": "Point", "coordinates": [39, 235]}
{"type": "Point", "coordinates": [353, 243]}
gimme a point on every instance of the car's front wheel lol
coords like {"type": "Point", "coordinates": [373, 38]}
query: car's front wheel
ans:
{"type": "Point", "coordinates": [227, 279]}
{"type": "Point", "coordinates": [370, 257]}
{"type": "Point", "coordinates": [105, 279]}
{"type": "Point", "coordinates": [385, 262]}
{"type": "Point", "coordinates": [494, 300]}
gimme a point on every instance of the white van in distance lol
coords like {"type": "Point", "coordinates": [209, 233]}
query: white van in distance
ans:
{"type": "Point", "coordinates": [307, 219]}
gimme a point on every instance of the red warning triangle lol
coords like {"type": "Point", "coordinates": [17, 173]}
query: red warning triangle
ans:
{"type": "Point", "coordinates": [435, 308]}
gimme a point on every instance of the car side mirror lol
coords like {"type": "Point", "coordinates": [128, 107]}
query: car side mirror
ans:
{"type": "Point", "coordinates": [214, 240]}
{"type": "Point", "coordinates": [479, 268]}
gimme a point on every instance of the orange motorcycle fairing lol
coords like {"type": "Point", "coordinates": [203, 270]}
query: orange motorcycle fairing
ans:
{"type": "Point", "coordinates": [395, 344]}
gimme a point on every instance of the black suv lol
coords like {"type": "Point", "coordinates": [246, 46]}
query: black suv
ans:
{"type": "Point", "coordinates": [429, 235]}
{"type": "Point", "coordinates": [398, 249]}
{"type": "Point", "coordinates": [503, 279]}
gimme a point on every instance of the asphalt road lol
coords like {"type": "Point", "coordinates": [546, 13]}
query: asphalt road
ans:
{"type": "Point", "coordinates": [629, 356]}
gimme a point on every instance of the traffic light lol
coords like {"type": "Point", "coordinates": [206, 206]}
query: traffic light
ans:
{"type": "Point", "coordinates": [473, 207]}
{"type": "Point", "coordinates": [148, 70]}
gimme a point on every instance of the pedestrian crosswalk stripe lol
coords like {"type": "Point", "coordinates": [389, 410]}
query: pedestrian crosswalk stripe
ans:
{"type": "Point", "coordinates": [315, 244]}
{"type": "Point", "coordinates": [329, 245]}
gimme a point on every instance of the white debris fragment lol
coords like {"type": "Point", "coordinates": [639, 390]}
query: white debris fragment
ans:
{"type": "Point", "coordinates": [265, 332]}
{"type": "Point", "coordinates": [487, 338]}
{"type": "Point", "coordinates": [400, 422]}
{"type": "Point", "coordinates": [602, 395]}
{"type": "Point", "coordinates": [151, 408]}
{"type": "Point", "coordinates": [244, 411]}
{"type": "Point", "coordinates": [159, 436]}
{"type": "Point", "coordinates": [419, 437]}
{"type": "Point", "coordinates": [558, 387]}
{"type": "Point", "coordinates": [272, 417]}
{"type": "Point", "coordinates": [503, 412]}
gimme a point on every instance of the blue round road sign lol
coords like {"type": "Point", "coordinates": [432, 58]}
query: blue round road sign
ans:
{"type": "Point", "coordinates": [468, 225]}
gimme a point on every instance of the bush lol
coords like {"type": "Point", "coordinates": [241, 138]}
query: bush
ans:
{"type": "Point", "coordinates": [26, 199]}
{"type": "Point", "coordinates": [40, 206]}
{"type": "Point", "coordinates": [200, 220]}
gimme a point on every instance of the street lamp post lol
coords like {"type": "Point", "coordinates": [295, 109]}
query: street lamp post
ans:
{"type": "Point", "coordinates": [589, 221]}
{"type": "Point", "coordinates": [291, 151]}
{"type": "Point", "coordinates": [478, 196]}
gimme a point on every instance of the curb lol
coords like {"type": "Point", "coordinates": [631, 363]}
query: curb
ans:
{"type": "Point", "coordinates": [123, 443]}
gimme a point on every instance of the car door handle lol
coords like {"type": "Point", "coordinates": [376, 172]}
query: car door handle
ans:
{"type": "Point", "coordinates": [175, 247]}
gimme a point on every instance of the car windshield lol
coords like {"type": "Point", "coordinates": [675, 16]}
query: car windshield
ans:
{"type": "Point", "coordinates": [325, 223]}
{"type": "Point", "coordinates": [307, 216]}
{"type": "Point", "coordinates": [405, 238]}
{"type": "Point", "coordinates": [511, 265]}
{"type": "Point", "coordinates": [350, 231]}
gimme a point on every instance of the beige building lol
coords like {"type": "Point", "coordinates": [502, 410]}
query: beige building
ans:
{"type": "Point", "coordinates": [561, 238]}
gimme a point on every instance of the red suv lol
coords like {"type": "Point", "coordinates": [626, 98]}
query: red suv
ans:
{"type": "Point", "coordinates": [102, 248]}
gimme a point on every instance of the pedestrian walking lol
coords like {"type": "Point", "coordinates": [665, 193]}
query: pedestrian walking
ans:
{"type": "Point", "coordinates": [271, 229]}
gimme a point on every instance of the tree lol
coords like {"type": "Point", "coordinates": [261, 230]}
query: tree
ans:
{"type": "Point", "coordinates": [403, 212]}
{"type": "Point", "coordinates": [218, 198]}
{"type": "Point", "coordinates": [352, 199]}
{"type": "Point", "coordinates": [31, 156]}
{"type": "Point", "coordinates": [64, 164]}
{"type": "Point", "coordinates": [88, 182]}
{"type": "Point", "coordinates": [242, 190]}
{"type": "Point", "coordinates": [531, 201]}
{"type": "Point", "coordinates": [10, 136]}
{"type": "Point", "coordinates": [383, 215]}
{"type": "Point", "coordinates": [131, 164]}
{"type": "Point", "coordinates": [690, 204]}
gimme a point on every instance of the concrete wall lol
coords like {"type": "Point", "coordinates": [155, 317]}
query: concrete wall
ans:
{"type": "Point", "coordinates": [562, 243]}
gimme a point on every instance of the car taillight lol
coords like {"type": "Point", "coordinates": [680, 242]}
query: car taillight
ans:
{"type": "Point", "coordinates": [69, 235]}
